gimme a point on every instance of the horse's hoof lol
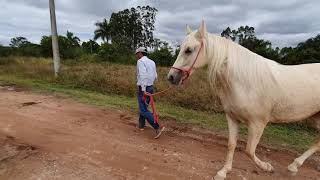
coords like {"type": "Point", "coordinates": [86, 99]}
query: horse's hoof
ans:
{"type": "Point", "coordinates": [219, 177]}
{"type": "Point", "coordinates": [292, 168]}
{"type": "Point", "coordinates": [269, 168]}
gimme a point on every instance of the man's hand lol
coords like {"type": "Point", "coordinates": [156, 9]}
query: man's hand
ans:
{"type": "Point", "coordinates": [145, 96]}
{"type": "Point", "coordinates": [143, 89]}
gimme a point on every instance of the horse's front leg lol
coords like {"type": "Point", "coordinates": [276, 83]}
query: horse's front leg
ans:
{"type": "Point", "coordinates": [255, 131]}
{"type": "Point", "coordinates": [233, 136]}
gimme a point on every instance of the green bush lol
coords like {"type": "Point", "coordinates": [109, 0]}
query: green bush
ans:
{"type": "Point", "coordinates": [116, 54]}
{"type": "Point", "coordinates": [5, 51]}
{"type": "Point", "coordinates": [29, 50]}
{"type": "Point", "coordinates": [66, 48]}
{"type": "Point", "coordinates": [90, 47]}
{"type": "Point", "coordinates": [163, 57]}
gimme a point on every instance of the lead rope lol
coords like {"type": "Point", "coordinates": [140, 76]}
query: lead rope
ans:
{"type": "Point", "coordinates": [153, 107]}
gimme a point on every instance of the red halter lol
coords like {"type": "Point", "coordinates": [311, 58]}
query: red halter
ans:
{"type": "Point", "coordinates": [186, 72]}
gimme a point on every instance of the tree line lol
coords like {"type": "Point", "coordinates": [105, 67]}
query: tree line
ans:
{"type": "Point", "coordinates": [128, 29]}
{"type": "Point", "coordinates": [305, 52]}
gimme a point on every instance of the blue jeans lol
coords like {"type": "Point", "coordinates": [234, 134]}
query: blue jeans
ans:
{"type": "Point", "coordinates": [143, 109]}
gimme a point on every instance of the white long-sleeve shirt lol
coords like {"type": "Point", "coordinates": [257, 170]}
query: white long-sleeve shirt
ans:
{"type": "Point", "coordinates": [146, 72]}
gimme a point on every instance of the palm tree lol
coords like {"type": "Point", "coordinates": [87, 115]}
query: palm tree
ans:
{"type": "Point", "coordinates": [102, 31]}
{"type": "Point", "coordinates": [74, 40]}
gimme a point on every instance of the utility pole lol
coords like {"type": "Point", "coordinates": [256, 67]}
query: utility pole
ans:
{"type": "Point", "coordinates": [55, 45]}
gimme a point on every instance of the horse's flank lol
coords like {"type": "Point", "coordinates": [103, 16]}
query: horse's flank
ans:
{"type": "Point", "coordinates": [252, 86]}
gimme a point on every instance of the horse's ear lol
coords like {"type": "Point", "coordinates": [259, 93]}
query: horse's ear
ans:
{"type": "Point", "coordinates": [202, 30]}
{"type": "Point", "coordinates": [188, 30]}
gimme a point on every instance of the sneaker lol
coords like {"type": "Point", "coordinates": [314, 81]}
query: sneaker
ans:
{"type": "Point", "coordinates": [141, 128]}
{"type": "Point", "coordinates": [159, 132]}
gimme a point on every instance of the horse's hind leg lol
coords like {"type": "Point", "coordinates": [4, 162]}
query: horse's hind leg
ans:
{"type": "Point", "coordinates": [293, 167]}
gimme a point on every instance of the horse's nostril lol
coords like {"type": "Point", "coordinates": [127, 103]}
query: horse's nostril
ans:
{"type": "Point", "coordinates": [171, 78]}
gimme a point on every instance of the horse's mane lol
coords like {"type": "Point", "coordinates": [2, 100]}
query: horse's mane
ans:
{"type": "Point", "coordinates": [229, 61]}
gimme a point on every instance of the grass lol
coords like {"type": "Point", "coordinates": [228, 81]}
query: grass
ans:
{"type": "Point", "coordinates": [113, 79]}
{"type": "Point", "coordinates": [295, 137]}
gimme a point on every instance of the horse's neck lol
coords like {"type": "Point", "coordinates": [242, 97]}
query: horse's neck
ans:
{"type": "Point", "coordinates": [217, 47]}
{"type": "Point", "coordinates": [232, 63]}
{"type": "Point", "coordinates": [216, 52]}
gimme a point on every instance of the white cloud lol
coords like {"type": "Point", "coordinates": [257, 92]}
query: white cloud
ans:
{"type": "Point", "coordinates": [284, 23]}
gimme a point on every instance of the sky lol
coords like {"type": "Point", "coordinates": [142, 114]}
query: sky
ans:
{"type": "Point", "coordinates": [283, 22]}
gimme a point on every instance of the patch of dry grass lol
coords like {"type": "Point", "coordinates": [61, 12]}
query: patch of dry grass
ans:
{"type": "Point", "coordinates": [115, 79]}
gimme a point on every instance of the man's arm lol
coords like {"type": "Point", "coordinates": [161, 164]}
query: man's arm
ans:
{"type": "Point", "coordinates": [143, 75]}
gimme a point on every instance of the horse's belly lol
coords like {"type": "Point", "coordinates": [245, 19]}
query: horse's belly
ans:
{"type": "Point", "coordinates": [295, 111]}
{"type": "Point", "coordinates": [314, 121]}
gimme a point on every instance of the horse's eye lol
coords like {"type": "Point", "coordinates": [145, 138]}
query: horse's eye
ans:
{"type": "Point", "coordinates": [188, 51]}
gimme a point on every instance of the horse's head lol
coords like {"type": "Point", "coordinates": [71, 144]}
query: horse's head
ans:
{"type": "Point", "coordinates": [191, 55]}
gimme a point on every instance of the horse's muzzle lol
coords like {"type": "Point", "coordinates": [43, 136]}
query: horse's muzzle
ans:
{"type": "Point", "coordinates": [174, 77]}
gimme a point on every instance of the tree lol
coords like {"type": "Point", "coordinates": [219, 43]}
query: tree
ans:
{"type": "Point", "coordinates": [245, 33]}
{"type": "Point", "coordinates": [90, 47]}
{"type": "Point", "coordinates": [156, 44]}
{"type": "Point", "coordinates": [18, 42]}
{"type": "Point", "coordinates": [46, 46]}
{"type": "Point", "coordinates": [246, 37]}
{"type": "Point", "coordinates": [102, 31]}
{"type": "Point", "coordinates": [115, 53]}
{"type": "Point", "coordinates": [305, 52]}
{"type": "Point", "coordinates": [242, 34]}
{"type": "Point", "coordinates": [73, 40]}
{"type": "Point", "coordinates": [5, 51]}
{"type": "Point", "coordinates": [68, 48]}
{"type": "Point", "coordinates": [20, 46]}
{"type": "Point", "coordinates": [164, 55]}
{"type": "Point", "coordinates": [147, 18]}
{"type": "Point", "coordinates": [133, 27]}
{"type": "Point", "coordinates": [29, 49]}
{"type": "Point", "coordinates": [229, 34]}
{"type": "Point", "coordinates": [126, 30]}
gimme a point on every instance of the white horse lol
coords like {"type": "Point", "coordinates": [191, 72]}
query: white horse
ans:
{"type": "Point", "coordinates": [252, 89]}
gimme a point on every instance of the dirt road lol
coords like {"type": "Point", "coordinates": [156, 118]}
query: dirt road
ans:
{"type": "Point", "coordinates": [47, 137]}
